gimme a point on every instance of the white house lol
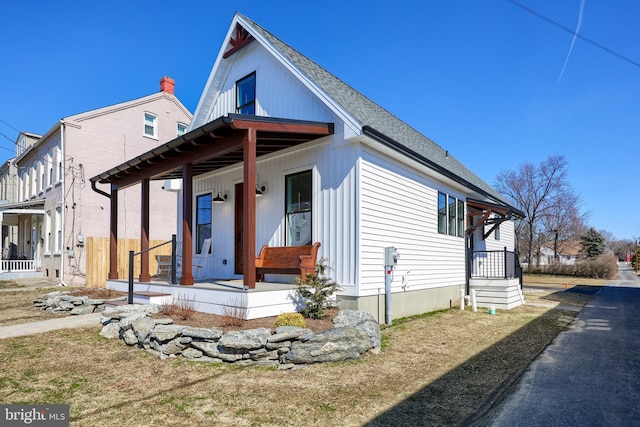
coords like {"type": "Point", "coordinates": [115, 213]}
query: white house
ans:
{"type": "Point", "coordinates": [333, 167]}
{"type": "Point", "coordinates": [54, 209]}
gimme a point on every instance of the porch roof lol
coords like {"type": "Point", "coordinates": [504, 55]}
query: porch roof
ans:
{"type": "Point", "coordinates": [9, 212]}
{"type": "Point", "coordinates": [212, 146]}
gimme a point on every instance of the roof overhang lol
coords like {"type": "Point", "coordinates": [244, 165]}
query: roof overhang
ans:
{"type": "Point", "coordinates": [212, 146]}
{"type": "Point", "coordinates": [490, 214]}
{"type": "Point", "coordinates": [400, 148]}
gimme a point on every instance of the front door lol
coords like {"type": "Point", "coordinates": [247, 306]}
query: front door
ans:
{"type": "Point", "coordinates": [238, 230]}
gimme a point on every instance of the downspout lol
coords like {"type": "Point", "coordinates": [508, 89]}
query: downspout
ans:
{"type": "Point", "coordinates": [63, 209]}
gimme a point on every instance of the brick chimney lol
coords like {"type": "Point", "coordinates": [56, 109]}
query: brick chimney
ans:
{"type": "Point", "coordinates": [167, 84]}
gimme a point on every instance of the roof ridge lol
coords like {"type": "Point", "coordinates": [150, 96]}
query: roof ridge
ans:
{"type": "Point", "coordinates": [370, 114]}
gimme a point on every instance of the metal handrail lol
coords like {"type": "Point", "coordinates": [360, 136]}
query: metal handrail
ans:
{"type": "Point", "coordinates": [132, 254]}
{"type": "Point", "coordinates": [494, 264]}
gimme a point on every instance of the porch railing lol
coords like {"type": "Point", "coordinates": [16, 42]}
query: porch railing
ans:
{"type": "Point", "coordinates": [18, 265]}
{"type": "Point", "coordinates": [132, 255]}
{"type": "Point", "coordinates": [502, 264]}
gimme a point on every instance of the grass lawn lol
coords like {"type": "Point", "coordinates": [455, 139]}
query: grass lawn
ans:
{"type": "Point", "coordinates": [443, 368]}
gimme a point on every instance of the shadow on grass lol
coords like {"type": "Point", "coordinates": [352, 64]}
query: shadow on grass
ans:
{"type": "Point", "coordinates": [467, 394]}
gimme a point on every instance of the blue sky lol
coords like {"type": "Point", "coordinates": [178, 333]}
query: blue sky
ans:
{"type": "Point", "coordinates": [493, 84]}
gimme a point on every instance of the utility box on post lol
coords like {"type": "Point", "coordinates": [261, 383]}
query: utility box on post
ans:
{"type": "Point", "coordinates": [391, 256]}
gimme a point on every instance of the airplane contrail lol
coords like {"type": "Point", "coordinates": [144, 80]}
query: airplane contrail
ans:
{"type": "Point", "coordinates": [573, 40]}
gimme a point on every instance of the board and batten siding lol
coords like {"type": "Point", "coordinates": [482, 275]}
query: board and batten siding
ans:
{"type": "Point", "coordinates": [398, 208]}
{"type": "Point", "coordinates": [278, 92]}
{"type": "Point", "coordinates": [333, 209]}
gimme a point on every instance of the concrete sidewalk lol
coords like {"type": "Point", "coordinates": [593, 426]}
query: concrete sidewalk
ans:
{"type": "Point", "coordinates": [33, 328]}
{"type": "Point", "coordinates": [589, 375]}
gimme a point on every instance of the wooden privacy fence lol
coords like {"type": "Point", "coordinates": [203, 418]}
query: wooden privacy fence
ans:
{"type": "Point", "coordinates": [98, 259]}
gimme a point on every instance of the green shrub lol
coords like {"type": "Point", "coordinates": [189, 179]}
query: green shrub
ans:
{"type": "Point", "coordinates": [315, 290]}
{"type": "Point", "coordinates": [290, 319]}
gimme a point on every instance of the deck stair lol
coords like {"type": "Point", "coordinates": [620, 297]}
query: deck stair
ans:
{"type": "Point", "coordinates": [146, 297]}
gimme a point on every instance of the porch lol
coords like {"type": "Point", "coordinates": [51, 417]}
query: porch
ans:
{"type": "Point", "coordinates": [224, 142]}
{"type": "Point", "coordinates": [221, 297]}
{"type": "Point", "coordinates": [496, 277]}
{"type": "Point", "coordinates": [11, 269]}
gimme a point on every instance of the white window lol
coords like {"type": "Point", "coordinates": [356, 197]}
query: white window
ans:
{"type": "Point", "coordinates": [34, 179]}
{"type": "Point", "coordinates": [150, 125]}
{"type": "Point", "coordinates": [47, 240]}
{"type": "Point", "coordinates": [49, 168]}
{"type": "Point", "coordinates": [182, 129]}
{"type": "Point", "coordinates": [59, 163]}
{"type": "Point", "coordinates": [41, 169]}
{"type": "Point", "coordinates": [58, 230]}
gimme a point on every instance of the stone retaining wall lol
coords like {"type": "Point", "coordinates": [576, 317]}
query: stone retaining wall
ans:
{"type": "Point", "coordinates": [61, 302]}
{"type": "Point", "coordinates": [355, 332]}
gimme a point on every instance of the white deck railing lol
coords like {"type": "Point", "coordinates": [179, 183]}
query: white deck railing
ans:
{"type": "Point", "coordinates": [18, 265]}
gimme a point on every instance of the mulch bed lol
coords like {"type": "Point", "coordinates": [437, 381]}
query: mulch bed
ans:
{"type": "Point", "coordinates": [206, 320]}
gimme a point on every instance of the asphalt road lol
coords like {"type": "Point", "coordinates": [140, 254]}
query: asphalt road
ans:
{"type": "Point", "coordinates": [590, 374]}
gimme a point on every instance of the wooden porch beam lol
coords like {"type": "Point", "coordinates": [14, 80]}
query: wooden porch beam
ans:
{"type": "Point", "coordinates": [144, 277]}
{"type": "Point", "coordinates": [259, 126]}
{"type": "Point", "coordinates": [480, 223]}
{"type": "Point", "coordinates": [249, 209]}
{"type": "Point", "coordinates": [187, 220]}
{"type": "Point", "coordinates": [217, 149]}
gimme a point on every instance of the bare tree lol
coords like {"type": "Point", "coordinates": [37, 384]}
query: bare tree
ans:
{"type": "Point", "coordinates": [543, 193]}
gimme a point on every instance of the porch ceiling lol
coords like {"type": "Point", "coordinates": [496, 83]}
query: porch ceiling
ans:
{"type": "Point", "coordinates": [212, 146]}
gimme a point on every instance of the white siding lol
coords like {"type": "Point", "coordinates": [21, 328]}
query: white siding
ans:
{"type": "Point", "coordinates": [333, 208]}
{"type": "Point", "coordinates": [399, 208]}
{"type": "Point", "coordinates": [272, 81]}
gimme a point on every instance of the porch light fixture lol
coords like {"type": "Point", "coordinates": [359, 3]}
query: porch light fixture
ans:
{"type": "Point", "coordinates": [220, 198]}
{"type": "Point", "coordinates": [259, 190]}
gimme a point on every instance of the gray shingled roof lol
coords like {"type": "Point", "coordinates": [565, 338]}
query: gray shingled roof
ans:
{"type": "Point", "coordinates": [370, 114]}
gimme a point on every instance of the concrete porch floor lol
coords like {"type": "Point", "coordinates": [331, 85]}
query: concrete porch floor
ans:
{"type": "Point", "coordinates": [220, 296]}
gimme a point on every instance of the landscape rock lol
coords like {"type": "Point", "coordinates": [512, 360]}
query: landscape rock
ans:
{"type": "Point", "coordinates": [213, 334]}
{"type": "Point", "coordinates": [125, 322]}
{"type": "Point", "coordinates": [164, 333]}
{"type": "Point", "coordinates": [251, 339]}
{"type": "Point", "coordinates": [192, 353]}
{"type": "Point", "coordinates": [142, 327]}
{"type": "Point", "coordinates": [290, 333]}
{"type": "Point", "coordinates": [82, 309]}
{"type": "Point", "coordinates": [129, 337]}
{"type": "Point", "coordinates": [110, 331]}
{"type": "Point", "coordinates": [362, 320]}
{"type": "Point", "coordinates": [333, 345]}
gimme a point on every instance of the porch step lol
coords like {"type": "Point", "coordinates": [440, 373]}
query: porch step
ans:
{"type": "Point", "coordinates": [143, 297]}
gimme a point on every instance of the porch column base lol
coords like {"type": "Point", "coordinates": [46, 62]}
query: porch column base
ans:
{"type": "Point", "coordinates": [186, 281]}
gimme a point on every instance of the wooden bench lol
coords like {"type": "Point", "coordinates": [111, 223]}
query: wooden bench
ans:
{"type": "Point", "coordinates": [287, 260]}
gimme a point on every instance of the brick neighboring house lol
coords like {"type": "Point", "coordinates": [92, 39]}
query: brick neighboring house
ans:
{"type": "Point", "coordinates": [55, 210]}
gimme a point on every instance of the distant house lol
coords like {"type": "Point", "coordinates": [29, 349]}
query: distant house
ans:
{"type": "Point", "coordinates": [566, 253]}
{"type": "Point", "coordinates": [52, 205]}
{"type": "Point", "coordinates": [331, 166]}
{"type": "Point", "coordinates": [9, 193]}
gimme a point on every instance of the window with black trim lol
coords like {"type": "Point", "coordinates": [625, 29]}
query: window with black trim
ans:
{"type": "Point", "coordinates": [460, 218]}
{"type": "Point", "coordinates": [246, 95]}
{"type": "Point", "coordinates": [450, 215]}
{"type": "Point", "coordinates": [298, 190]}
{"type": "Point", "coordinates": [442, 213]}
{"type": "Point", "coordinates": [203, 220]}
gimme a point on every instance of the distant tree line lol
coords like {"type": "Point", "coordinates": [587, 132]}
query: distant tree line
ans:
{"type": "Point", "coordinates": [554, 215]}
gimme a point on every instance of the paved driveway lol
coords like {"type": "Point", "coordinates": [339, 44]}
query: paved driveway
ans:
{"type": "Point", "coordinates": [590, 374]}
